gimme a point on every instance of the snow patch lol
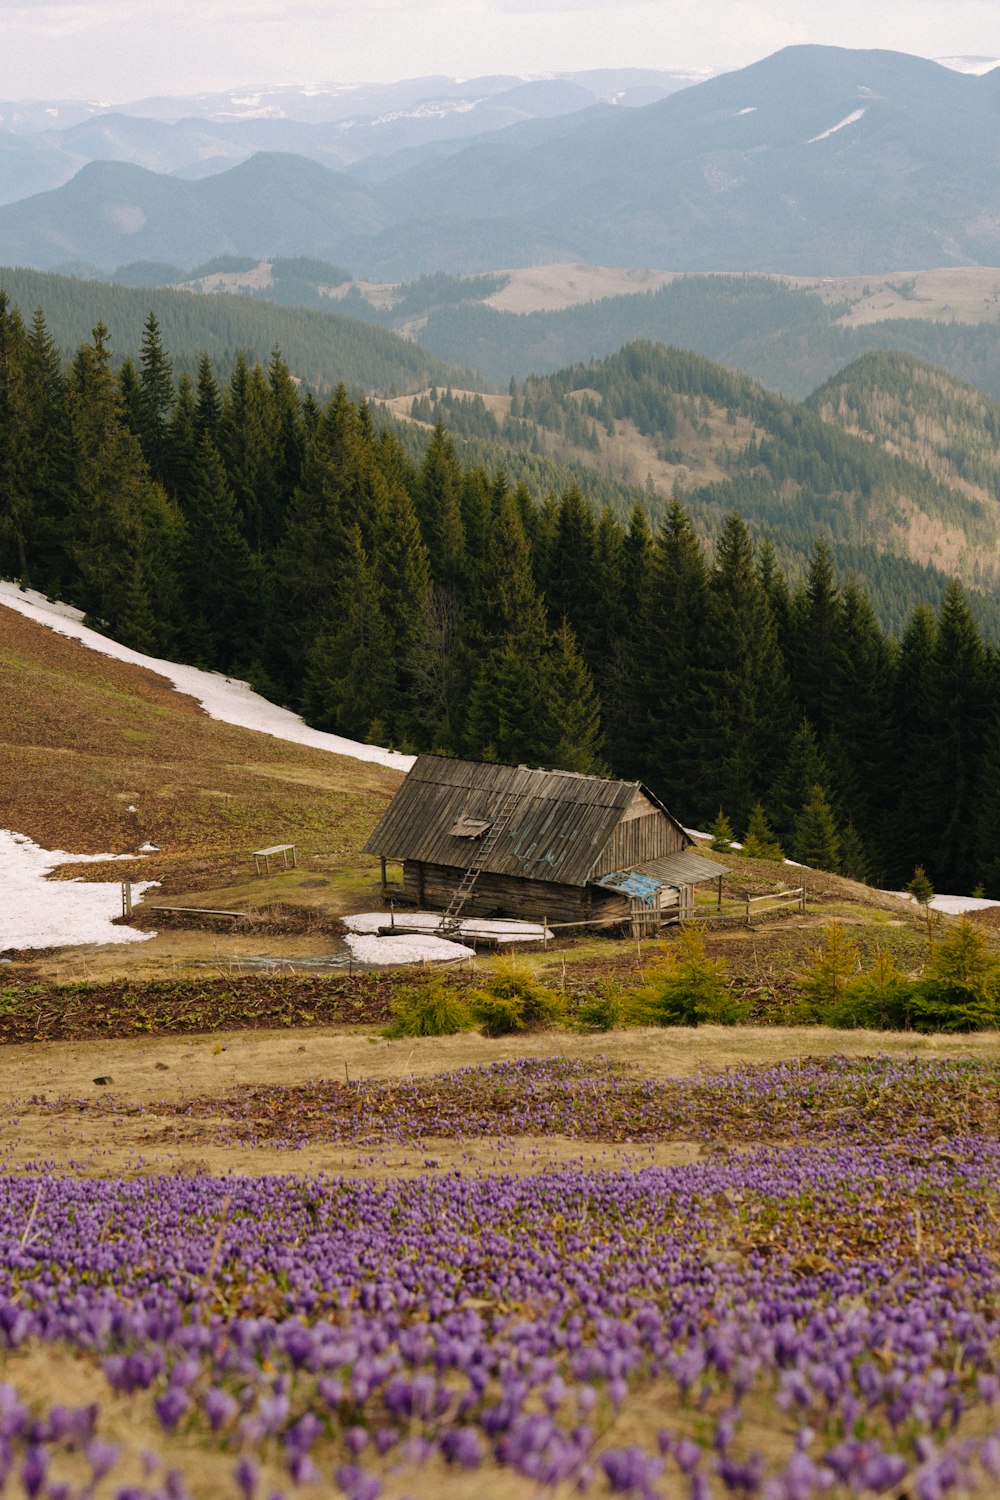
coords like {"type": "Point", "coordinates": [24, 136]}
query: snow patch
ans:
{"type": "Point", "coordinates": [954, 906]}
{"type": "Point", "coordinates": [405, 949]}
{"type": "Point", "coordinates": [851, 119]}
{"type": "Point", "coordinates": [750, 110]}
{"type": "Point", "coordinates": [508, 929]}
{"type": "Point", "coordinates": [223, 698]}
{"type": "Point", "coordinates": [40, 913]}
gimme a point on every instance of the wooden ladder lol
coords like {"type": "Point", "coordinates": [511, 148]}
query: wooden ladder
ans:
{"type": "Point", "coordinates": [451, 921]}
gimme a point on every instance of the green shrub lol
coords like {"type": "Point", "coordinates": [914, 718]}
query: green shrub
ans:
{"type": "Point", "coordinates": [692, 989]}
{"type": "Point", "coordinates": [829, 969]}
{"type": "Point", "coordinates": [514, 1001]}
{"type": "Point", "coordinates": [428, 1009]}
{"type": "Point", "coordinates": [603, 1011]}
{"type": "Point", "coordinates": [880, 1000]}
{"type": "Point", "coordinates": [960, 990]}
{"type": "Point", "coordinates": [497, 1015]}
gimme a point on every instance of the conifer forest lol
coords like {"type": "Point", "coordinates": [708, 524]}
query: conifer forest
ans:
{"type": "Point", "coordinates": [429, 604]}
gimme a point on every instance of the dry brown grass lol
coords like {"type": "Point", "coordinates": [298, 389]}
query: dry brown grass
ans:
{"type": "Point", "coordinates": [149, 1070]}
{"type": "Point", "coordinates": [82, 737]}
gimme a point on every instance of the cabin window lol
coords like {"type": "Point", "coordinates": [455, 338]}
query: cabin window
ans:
{"type": "Point", "coordinates": [469, 828]}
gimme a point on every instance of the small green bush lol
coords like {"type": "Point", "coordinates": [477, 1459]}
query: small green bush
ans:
{"type": "Point", "coordinates": [879, 1000]}
{"type": "Point", "coordinates": [514, 1001]}
{"type": "Point", "coordinates": [497, 1015]}
{"type": "Point", "coordinates": [960, 990]}
{"type": "Point", "coordinates": [603, 1011]}
{"type": "Point", "coordinates": [692, 990]}
{"type": "Point", "coordinates": [428, 1009]}
{"type": "Point", "coordinates": [828, 971]}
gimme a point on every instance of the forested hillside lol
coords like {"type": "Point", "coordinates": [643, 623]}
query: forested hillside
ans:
{"type": "Point", "coordinates": [911, 408]}
{"type": "Point", "coordinates": [789, 338]}
{"type": "Point", "coordinates": [313, 342]}
{"type": "Point", "coordinates": [434, 605]}
{"type": "Point", "coordinates": [674, 423]}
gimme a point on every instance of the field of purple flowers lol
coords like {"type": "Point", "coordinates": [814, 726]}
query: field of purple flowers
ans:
{"type": "Point", "coordinates": [815, 1315]}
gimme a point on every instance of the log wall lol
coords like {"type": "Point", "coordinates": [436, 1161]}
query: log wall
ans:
{"type": "Point", "coordinates": [432, 886]}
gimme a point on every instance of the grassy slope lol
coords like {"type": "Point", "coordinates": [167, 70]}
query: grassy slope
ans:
{"type": "Point", "coordinates": [82, 737]}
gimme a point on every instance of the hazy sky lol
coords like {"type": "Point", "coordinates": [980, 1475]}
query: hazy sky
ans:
{"type": "Point", "coordinates": [119, 50]}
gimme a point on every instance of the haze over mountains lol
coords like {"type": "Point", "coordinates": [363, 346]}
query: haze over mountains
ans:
{"type": "Point", "coordinates": [43, 143]}
{"type": "Point", "coordinates": [815, 161]}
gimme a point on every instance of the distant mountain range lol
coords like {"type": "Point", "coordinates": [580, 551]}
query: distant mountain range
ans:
{"type": "Point", "coordinates": [43, 144]}
{"type": "Point", "coordinates": [816, 161]}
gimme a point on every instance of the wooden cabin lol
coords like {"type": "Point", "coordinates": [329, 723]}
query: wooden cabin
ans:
{"type": "Point", "coordinates": [518, 842]}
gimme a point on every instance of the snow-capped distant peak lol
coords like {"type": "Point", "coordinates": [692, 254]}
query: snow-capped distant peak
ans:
{"type": "Point", "coordinates": [976, 65]}
{"type": "Point", "coordinates": [751, 109]}
{"type": "Point", "coordinates": [851, 119]}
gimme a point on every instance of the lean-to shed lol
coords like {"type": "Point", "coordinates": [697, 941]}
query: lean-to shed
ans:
{"type": "Point", "coordinates": [512, 841]}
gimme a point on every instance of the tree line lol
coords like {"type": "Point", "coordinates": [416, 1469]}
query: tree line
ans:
{"type": "Point", "coordinates": [419, 601]}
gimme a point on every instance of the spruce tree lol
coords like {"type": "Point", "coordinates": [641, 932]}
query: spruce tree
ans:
{"type": "Point", "coordinates": [952, 740]}
{"type": "Point", "coordinates": [816, 841]}
{"type": "Point", "coordinates": [222, 602]}
{"type": "Point", "coordinates": [17, 500]}
{"type": "Point", "coordinates": [664, 676]}
{"type": "Point", "coordinates": [156, 398]}
{"type": "Point", "coordinates": [438, 506]}
{"type": "Point", "coordinates": [740, 706]}
{"type": "Point", "coordinates": [349, 677]}
{"type": "Point", "coordinates": [571, 732]}
{"type": "Point", "coordinates": [759, 841]}
{"type": "Point", "coordinates": [570, 579]}
{"type": "Point", "coordinates": [816, 617]}
{"type": "Point", "coordinates": [803, 769]}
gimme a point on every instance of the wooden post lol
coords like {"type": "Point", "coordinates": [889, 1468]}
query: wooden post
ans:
{"type": "Point", "coordinates": [718, 903]}
{"type": "Point", "coordinates": [126, 898]}
{"type": "Point", "coordinates": [382, 863]}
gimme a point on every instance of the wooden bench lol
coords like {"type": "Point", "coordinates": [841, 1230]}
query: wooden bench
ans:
{"type": "Point", "coordinates": [268, 854]}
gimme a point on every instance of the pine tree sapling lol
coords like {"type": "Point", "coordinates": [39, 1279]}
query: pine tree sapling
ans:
{"type": "Point", "coordinates": [759, 841]}
{"type": "Point", "coordinates": [960, 989]}
{"type": "Point", "coordinates": [922, 892]}
{"type": "Point", "coordinates": [429, 1009]}
{"type": "Point", "coordinates": [817, 842]}
{"type": "Point", "coordinates": [828, 970]}
{"type": "Point", "coordinates": [879, 999]}
{"type": "Point", "coordinates": [691, 990]}
{"type": "Point", "coordinates": [513, 1001]}
{"type": "Point", "coordinates": [722, 833]}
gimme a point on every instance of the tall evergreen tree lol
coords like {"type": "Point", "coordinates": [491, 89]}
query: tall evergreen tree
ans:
{"type": "Point", "coordinates": [666, 666]}
{"type": "Point", "coordinates": [804, 768]}
{"type": "Point", "coordinates": [816, 615]}
{"type": "Point", "coordinates": [740, 707]}
{"type": "Point", "coordinates": [439, 508]}
{"type": "Point", "coordinates": [156, 399]}
{"type": "Point", "coordinates": [17, 501]}
{"type": "Point", "coordinates": [349, 669]}
{"type": "Point", "coordinates": [953, 738]}
{"type": "Point", "coordinates": [219, 575]}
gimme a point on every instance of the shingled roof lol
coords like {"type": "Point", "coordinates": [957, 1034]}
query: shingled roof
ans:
{"type": "Point", "coordinates": [559, 827]}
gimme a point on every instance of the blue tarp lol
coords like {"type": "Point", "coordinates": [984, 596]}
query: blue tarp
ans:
{"type": "Point", "coordinates": [644, 888]}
